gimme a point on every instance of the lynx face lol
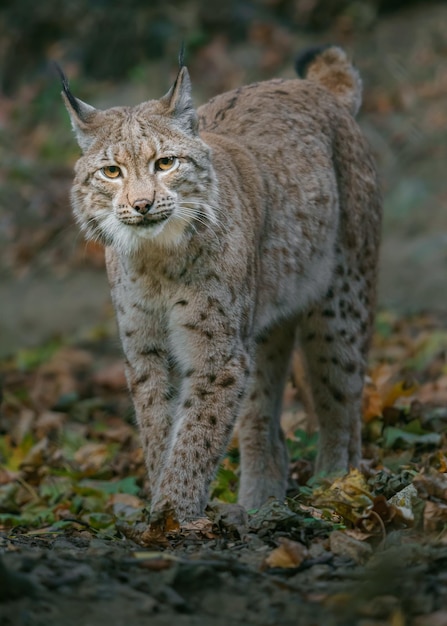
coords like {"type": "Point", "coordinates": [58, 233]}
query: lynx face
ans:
{"type": "Point", "coordinates": [140, 179]}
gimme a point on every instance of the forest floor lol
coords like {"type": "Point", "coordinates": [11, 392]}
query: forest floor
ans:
{"type": "Point", "coordinates": [368, 549]}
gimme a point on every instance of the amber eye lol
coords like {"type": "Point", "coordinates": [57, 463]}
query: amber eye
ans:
{"type": "Point", "coordinates": [111, 171]}
{"type": "Point", "coordinates": [165, 163]}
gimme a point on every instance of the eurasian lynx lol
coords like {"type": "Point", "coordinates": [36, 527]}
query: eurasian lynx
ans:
{"type": "Point", "coordinates": [226, 230]}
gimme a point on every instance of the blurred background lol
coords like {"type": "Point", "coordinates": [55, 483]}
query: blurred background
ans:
{"type": "Point", "coordinates": [52, 283]}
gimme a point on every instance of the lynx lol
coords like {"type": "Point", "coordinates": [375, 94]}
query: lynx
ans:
{"type": "Point", "coordinates": [230, 230]}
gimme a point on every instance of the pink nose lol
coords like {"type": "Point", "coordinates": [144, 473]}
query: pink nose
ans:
{"type": "Point", "coordinates": [142, 206]}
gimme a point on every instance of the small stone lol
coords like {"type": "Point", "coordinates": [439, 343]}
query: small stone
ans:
{"type": "Point", "coordinates": [344, 545]}
{"type": "Point", "coordinates": [380, 606]}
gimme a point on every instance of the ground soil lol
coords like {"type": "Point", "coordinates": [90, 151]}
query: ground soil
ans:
{"type": "Point", "coordinates": [75, 578]}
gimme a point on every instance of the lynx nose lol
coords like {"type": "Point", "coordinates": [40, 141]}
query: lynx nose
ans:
{"type": "Point", "coordinates": [142, 206]}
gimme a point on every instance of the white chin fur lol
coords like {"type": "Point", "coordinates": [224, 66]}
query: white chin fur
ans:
{"type": "Point", "coordinates": [128, 239]}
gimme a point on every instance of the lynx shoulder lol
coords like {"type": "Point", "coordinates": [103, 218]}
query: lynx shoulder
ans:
{"type": "Point", "coordinates": [230, 232]}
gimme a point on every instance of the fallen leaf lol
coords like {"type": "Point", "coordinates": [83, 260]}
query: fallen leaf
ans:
{"type": "Point", "coordinates": [57, 377]}
{"type": "Point", "coordinates": [49, 422]}
{"type": "Point", "coordinates": [161, 524]}
{"type": "Point", "coordinates": [348, 496]}
{"type": "Point", "coordinates": [346, 545]}
{"type": "Point", "coordinates": [91, 457]}
{"type": "Point", "coordinates": [111, 377]}
{"type": "Point", "coordinates": [125, 504]}
{"type": "Point", "coordinates": [38, 454]}
{"type": "Point", "coordinates": [22, 425]}
{"type": "Point", "coordinates": [400, 389]}
{"type": "Point", "coordinates": [435, 516]}
{"type": "Point", "coordinates": [372, 402]}
{"type": "Point", "coordinates": [202, 526]}
{"type": "Point", "coordinates": [288, 554]}
{"type": "Point", "coordinates": [398, 437]}
{"type": "Point", "coordinates": [431, 483]}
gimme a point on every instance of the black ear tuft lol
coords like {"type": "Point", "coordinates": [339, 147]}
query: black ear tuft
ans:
{"type": "Point", "coordinates": [66, 88]}
{"type": "Point", "coordinates": [181, 55]}
{"type": "Point", "coordinates": [305, 58]}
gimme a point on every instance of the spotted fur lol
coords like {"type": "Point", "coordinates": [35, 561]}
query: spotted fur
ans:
{"type": "Point", "coordinates": [267, 227]}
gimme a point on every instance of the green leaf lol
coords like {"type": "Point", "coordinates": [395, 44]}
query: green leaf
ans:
{"type": "Point", "coordinates": [303, 445]}
{"type": "Point", "coordinates": [435, 343]}
{"type": "Point", "coordinates": [29, 359]}
{"type": "Point", "coordinates": [55, 488]}
{"type": "Point", "coordinates": [125, 485]}
{"type": "Point", "coordinates": [394, 437]}
{"type": "Point", "coordinates": [225, 485]}
{"type": "Point", "coordinates": [99, 520]}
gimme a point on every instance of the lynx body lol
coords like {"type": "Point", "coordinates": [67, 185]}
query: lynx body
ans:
{"type": "Point", "coordinates": [228, 230]}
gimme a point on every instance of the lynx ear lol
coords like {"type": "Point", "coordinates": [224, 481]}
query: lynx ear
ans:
{"type": "Point", "coordinates": [82, 115]}
{"type": "Point", "coordinates": [179, 101]}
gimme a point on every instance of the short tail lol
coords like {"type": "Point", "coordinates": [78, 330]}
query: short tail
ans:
{"type": "Point", "coordinates": [329, 66]}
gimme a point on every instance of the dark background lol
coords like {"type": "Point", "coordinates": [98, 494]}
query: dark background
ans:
{"type": "Point", "coordinates": [51, 282]}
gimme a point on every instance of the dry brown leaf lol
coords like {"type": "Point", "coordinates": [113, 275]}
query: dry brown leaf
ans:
{"type": "Point", "coordinates": [358, 534]}
{"type": "Point", "coordinates": [121, 433]}
{"type": "Point", "coordinates": [372, 402]}
{"type": "Point", "coordinates": [431, 484]}
{"type": "Point", "coordinates": [111, 377]}
{"type": "Point", "coordinates": [162, 524]}
{"type": "Point", "coordinates": [346, 545]}
{"type": "Point", "coordinates": [49, 422]}
{"type": "Point", "coordinates": [7, 476]}
{"type": "Point", "coordinates": [390, 385]}
{"type": "Point", "coordinates": [435, 516]}
{"type": "Point", "coordinates": [119, 502]}
{"type": "Point", "coordinates": [155, 560]}
{"type": "Point", "coordinates": [22, 425]}
{"type": "Point", "coordinates": [91, 456]}
{"type": "Point", "coordinates": [434, 392]}
{"type": "Point", "coordinates": [400, 389]}
{"type": "Point", "coordinates": [382, 374]}
{"type": "Point", "coordinates": [156, 565]}
{"type": "Point", "coordinates": [38, 455]}
{"type": "Point", "coordinates": [202, 526]}
{"type": "Point", "coordinates": [288, 554]}
{"type": "Point", "coordinates": [57, 377]}
{"type": "Point", "coordinates": [349, 496]}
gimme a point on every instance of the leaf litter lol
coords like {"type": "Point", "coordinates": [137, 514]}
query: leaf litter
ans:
{"type": "Point", "coordinates": [74, 499]}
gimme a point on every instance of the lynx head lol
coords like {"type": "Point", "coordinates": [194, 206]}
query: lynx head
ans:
{"type": "Point", "coordinates": [145, 176]}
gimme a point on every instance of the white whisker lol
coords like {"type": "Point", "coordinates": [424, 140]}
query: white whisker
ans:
{"type": "Point", "coordinates": [202, 217]}
{"type": "Point", "coordinates": [203, 210]}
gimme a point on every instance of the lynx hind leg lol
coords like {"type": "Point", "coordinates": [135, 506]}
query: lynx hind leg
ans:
{"type": "Point", "coordinates": [334, 338]}
{"type": "Point", "coordinates": [264, 460]}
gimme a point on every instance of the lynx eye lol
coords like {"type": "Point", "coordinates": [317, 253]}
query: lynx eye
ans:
{"type": "Point", "coordinates": [165, 163]}
{"type": "Point", "coordinates": [111, 171]}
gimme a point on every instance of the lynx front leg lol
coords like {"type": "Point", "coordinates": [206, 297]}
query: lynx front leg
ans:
{"type": "Point", "coordinates": [207, 410]}
{"type": "Point", "coordinates": [334, 338]}
{"type": "Point", "coordinates": [264, 461]}
{"type": "Point", "coordinates": [149, 377]}
{"type": "Point", "coordinates": [148, 380]}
